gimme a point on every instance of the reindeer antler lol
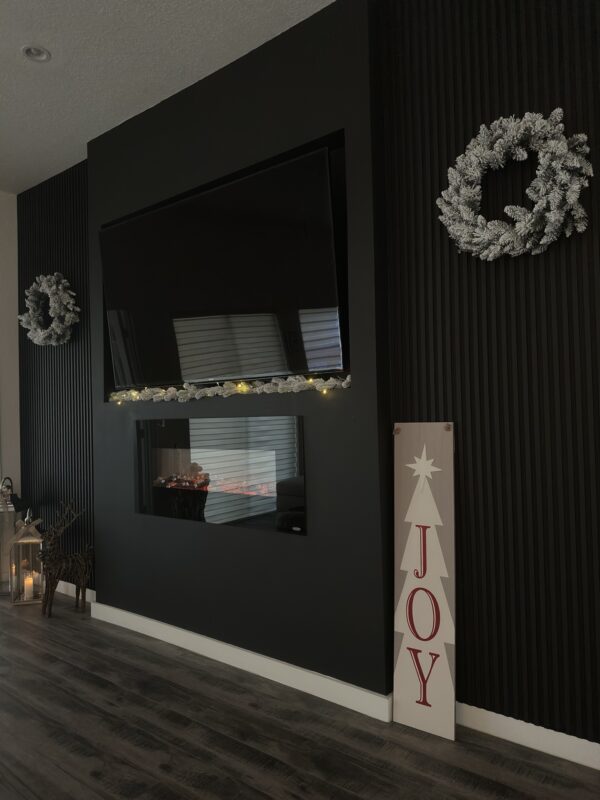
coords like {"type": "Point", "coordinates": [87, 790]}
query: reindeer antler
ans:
{"type": "Point", "coordinates": [67, 516]}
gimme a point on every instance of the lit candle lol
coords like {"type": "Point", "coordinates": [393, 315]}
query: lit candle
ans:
{"type": "Point", "coordinates": [13, 568]}
{"type": "Point", "coordinates": [28, 587]}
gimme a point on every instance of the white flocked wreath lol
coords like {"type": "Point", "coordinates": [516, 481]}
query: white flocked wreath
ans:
{"type": "Point", "coordinates": [562, 172]}
{"type": "Point", "coordinates": [51, 310]}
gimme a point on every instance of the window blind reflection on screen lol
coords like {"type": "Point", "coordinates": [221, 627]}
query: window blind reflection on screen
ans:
{"type": "Point", "coordinates": [245, 457]}
{"type": "Point", "coordinates": [229, 346]}
{"type": "Point", "coordinates": [321, 337]}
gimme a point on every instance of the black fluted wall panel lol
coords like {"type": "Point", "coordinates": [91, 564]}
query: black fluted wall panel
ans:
{"type": "Point", "coordinates": [509, 350]}
{"type": "Point", "coordinates": [56, 425]}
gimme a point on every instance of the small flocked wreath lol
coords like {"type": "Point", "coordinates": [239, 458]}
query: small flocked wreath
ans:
{"type": "Point", "coordinates": [562, 172]}
{"type": "Point", "coordinates": [52, 310]}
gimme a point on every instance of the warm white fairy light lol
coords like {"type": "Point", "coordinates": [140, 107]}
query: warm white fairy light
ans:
{"type": "Point", "coordinates": [294, 383]}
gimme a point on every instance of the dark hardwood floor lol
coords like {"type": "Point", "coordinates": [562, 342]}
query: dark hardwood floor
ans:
{"type": "Point", "coordinates": [88, 710]}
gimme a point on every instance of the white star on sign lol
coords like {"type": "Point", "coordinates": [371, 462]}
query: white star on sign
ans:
{"type": "Point", "coordinates": [423, 466]}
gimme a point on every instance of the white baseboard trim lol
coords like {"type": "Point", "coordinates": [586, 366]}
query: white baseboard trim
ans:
{"type": "Point", "coordinates": [69, 589]}
{"type": "Point", "coordinates": [554, 743]}
{"type": "Point", "coordinates": [364, 701]}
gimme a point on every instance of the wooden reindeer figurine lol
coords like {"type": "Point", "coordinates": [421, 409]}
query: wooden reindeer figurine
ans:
{"type": "Point", "coordinates": [73, 567]}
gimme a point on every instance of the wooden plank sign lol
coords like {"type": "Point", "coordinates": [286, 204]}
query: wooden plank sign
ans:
{"type": "Point", "coordinates": [424, 680]}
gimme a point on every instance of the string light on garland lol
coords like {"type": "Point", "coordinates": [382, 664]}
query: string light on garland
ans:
{"type": "Point", "coordinates": [294, 384]}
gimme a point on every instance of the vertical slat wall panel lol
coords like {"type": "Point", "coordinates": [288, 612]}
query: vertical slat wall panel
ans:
{"type": "Point", "coordinates": [509, 350]}
{"type": "Point", "coordinates": [55, 382]}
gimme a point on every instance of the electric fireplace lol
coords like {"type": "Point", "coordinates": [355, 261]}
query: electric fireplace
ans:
{"type": "Point", "coordinates": [242, 471]}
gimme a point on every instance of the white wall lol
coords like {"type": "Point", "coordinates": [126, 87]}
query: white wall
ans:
{"type": "Point", "coordinates": [10, 455]}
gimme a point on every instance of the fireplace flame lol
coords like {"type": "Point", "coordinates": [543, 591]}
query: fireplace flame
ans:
{"type": "Point", "coordinates": [202, 482]}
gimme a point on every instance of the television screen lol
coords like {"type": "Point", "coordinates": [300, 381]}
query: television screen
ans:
{"type": "Point", "coordinates": [241, 280]}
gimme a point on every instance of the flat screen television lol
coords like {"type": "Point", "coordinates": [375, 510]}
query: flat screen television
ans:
{"type": "Point", "coordinates": [245, 279]}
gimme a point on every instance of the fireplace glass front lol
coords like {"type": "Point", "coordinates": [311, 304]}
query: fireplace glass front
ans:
{"type": "Point", "coordinates": [241, 471]}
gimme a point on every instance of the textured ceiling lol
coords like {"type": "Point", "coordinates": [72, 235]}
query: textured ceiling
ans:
{"type": "Point", "coordinates": [111, 59]}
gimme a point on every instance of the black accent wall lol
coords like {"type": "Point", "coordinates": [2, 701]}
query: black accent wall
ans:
{"type": "Point", "coordinates": [322, 601]}
{"type": "Point", "coordinates": [55, 382]}
{"type": "Point", "coordinates": [509, 350]}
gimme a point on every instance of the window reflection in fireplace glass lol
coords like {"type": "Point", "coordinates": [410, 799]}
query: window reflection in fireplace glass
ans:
{"type": "Point", "coordinates": [241, 471]}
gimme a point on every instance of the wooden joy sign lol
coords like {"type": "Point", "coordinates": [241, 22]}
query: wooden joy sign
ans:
{"type": "Point", "coordinates": [424, 694]}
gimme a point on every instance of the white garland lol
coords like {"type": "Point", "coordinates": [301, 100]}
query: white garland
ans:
{"type": "Point", "coordinates": [562, 172]}
{"type": "Point", "coordinates": [294, 383]}
{"type": "Point", "coordinates": [61, 309]}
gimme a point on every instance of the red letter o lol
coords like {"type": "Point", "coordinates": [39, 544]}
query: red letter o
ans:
{"type": "Point", "coordinates": [434, 608]}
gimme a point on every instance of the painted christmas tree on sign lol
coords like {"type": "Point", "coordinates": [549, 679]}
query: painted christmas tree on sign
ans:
{"type": "Point", "coordinates": [424, 695]}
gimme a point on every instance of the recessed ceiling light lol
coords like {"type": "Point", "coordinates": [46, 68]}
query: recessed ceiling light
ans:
{"type": "Point", "coordinates": [35, 53]}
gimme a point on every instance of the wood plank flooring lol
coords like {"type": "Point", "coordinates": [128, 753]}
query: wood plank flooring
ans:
{"type": "Point", "coordinates": [90, 711]}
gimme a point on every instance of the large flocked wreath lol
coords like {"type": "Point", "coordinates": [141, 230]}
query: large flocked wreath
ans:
{"type": "Point", "coordinates": [51, 310]}
{"type": "Point", "coordinates": [562, 172]}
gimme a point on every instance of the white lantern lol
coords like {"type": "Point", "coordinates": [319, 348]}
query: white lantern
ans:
{"type": "Point", "coordinates": [8, 518]}
{"type": "Point", "coordinates": [26, 571]}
